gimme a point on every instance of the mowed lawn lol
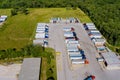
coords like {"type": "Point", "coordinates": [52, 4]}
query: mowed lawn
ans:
{"type": "Point", "coordinates": [20, 29]}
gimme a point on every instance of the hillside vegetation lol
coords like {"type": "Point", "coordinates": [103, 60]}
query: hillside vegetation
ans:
{"type": "Point", "coordinates": [19, 30]}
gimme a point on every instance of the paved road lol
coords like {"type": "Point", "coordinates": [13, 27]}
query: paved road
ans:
{"type": "Point", "coordinates": [64, 70]}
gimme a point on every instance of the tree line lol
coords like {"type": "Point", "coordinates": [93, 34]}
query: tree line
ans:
{"type": "Point", "coordinates": [104, 13]}
{"type": "Point", "coordinates": [36, 3]}
{"type": "Point", "coordinates": [27, 51]}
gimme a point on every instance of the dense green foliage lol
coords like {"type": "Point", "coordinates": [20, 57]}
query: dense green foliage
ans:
{"type": "Point", "coordinates": [15, 11]}
{"type": "Point", "coordinates": [37, 3]}
{"type": "Point", "coordinates": [27, 51]}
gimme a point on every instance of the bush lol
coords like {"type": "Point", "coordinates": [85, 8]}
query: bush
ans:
{"type": "Point", "coordinates": [13, 12]}
{"type": "Point", "coordinates": [118, 50]}
{"type": "Point", "coordinates": [74, 8]}
{"type": "Point", "coordinates": [50, 78]}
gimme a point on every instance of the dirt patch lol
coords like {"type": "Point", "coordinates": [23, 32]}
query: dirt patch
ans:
{"type": "Point", "coordinates": [9, 72]}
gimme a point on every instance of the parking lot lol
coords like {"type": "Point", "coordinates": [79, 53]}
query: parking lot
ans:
{"type": "Point", "coordinates": [66, 71]}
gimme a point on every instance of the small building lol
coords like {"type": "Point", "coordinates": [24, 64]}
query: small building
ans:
{"type": "Point", "coordinates": [98, 41]}
{"type": "Point", "coordinates": [30, 69]}
{"type": "Point", "coordinates": [111, 60]}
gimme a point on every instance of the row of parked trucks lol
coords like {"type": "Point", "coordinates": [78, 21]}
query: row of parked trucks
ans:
{"type": "Point", "coordinates": [74, 51]}
{"type": "Point", "coordinates": [105, 54]}
{"type": "Point", "coordinates": [96, 37]}
{"type": "Point", "coordinates": [67, 20]}
{"type": "Point", "coordinates": [42, 34]}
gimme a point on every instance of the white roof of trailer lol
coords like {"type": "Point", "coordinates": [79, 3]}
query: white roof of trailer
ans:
{"type": "Point", "coordinates": [99, 40]}
{"type": "Point", "coordinates": [77, 60]}
{"type": "Point", "coordinates": [73, 45]}
{"type": "Point", "coordinates": [77, 52]}
{"type": "Point", "coordinates": [89, 23]}
{"type": "Point", "coordinates": [100, 46]}
{"type": "Point", "coordinates": [94, 30]}
{"type": "Point", "coordinates": [75, 55]}
{"type": "Point", "coordinates": [72, 42]}
{"type": "Point", "coordinates": [72, 49]}
{"type": "Point", "coordinates": [68, 32]}
{"type": "Point", "coordinates": [67, 29]}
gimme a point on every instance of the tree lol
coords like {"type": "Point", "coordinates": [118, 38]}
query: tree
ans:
{"type": "Point", "coordinates": [13, 12]}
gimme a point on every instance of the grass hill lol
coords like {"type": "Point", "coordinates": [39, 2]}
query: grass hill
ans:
{"type": "Point", "coordinates": [19, 30]}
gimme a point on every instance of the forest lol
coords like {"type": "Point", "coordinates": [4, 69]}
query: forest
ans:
{"type": "Point", "coordinates": [104, 13]}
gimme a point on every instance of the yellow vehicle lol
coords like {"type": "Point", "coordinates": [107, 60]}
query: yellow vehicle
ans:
{"type": "Point", "coordinates": [58, 53]}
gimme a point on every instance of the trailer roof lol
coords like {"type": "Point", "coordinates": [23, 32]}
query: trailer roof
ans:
{"type": "Point", "coordinates": [99, 40]}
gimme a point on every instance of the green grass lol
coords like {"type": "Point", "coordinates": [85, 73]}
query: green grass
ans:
{"type": "Point", "coordinates": [5, 12]}
{"type": "Point", "coordinates": [43, 69]}
{"type": "Point", "coordinates": [20, 29]}
{"type": "Point", "coordinates": [45, 72]}
{"type": "Point", "coordinates": [110, 46]}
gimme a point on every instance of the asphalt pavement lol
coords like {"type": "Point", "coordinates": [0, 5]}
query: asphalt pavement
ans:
{"type": "Point", "coordinates": [65, 71]}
